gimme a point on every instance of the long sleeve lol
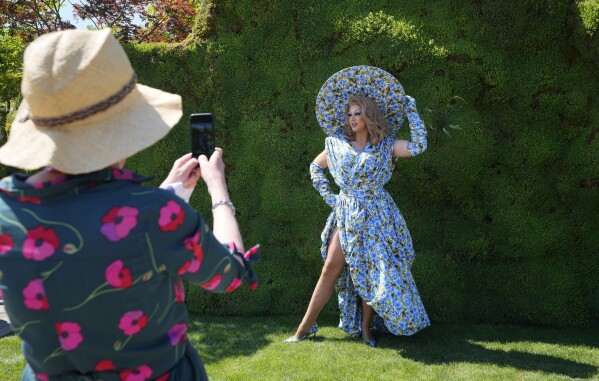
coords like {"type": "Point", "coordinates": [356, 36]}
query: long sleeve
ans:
{"type": "Point", "coordinates": [417, 143]}
{"type": "Point", "coordinates": [93, 272]}
{"type": "Point", "coordinates": [183, 245]}
{"type": "Point", "coordinates": [322, 185]}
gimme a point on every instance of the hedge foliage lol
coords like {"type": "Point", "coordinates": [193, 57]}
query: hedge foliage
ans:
{"type": "Point", "coordinates": [502, 207]}
{"type": "Point", "coordinates": [11, 49]}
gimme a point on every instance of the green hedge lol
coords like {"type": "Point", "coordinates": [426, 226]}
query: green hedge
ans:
{"type": "Point", "coordinates": [502, 207]}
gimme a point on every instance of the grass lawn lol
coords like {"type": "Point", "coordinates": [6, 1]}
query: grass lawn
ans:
{"type": "Point", "coordinates": [236, 348]}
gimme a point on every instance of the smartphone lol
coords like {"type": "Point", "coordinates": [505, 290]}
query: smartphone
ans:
{"type": "Point", "coordinates": [202, 134]}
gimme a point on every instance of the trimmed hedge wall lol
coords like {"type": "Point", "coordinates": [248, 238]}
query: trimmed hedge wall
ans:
{"type": "Point", "coordinates": [502, 207]}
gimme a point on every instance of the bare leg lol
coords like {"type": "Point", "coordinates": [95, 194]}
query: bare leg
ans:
{"type": "Point", "coordinates": [333, 266]}
{"type": "Point", "coordinates": [367, 313]}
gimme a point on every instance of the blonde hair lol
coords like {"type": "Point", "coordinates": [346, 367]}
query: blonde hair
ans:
{"type": "Point", "coordinates": [372, 115]}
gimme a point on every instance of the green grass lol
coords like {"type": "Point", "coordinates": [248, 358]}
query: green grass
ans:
{"type": "Point", "coordinates": [247, 348]}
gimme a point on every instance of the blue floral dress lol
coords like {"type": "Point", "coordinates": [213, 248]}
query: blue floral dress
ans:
{"type": "Point", "coordinates": [373, 234]}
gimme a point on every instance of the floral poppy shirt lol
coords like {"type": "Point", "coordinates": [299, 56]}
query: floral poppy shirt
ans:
{"type": "Point", "coordinates": [91, 272]}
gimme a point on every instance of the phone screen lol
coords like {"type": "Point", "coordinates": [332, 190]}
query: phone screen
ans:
{"type": "Point", "coordinates": [202, 134]}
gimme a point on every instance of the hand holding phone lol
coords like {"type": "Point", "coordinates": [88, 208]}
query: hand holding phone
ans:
{"type": "Point", "coordinates": [202, 134]}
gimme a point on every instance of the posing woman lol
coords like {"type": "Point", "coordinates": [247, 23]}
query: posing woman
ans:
{"type": "Point", "coordinates": [366, 245]}
{"type": "Point", "coordinates": [92, 261]}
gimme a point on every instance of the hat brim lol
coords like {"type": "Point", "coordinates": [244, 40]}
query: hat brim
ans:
{"type": "Point", "coordinates": [369, 81]}
{"type": "Point", "coordinates": [141, 119]}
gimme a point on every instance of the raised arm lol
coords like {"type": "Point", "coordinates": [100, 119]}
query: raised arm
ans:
{"type": "Point", "coordinates": [417, 143]}
{"type": "Point", "coordinates": [225, 226]}
{"type": "Point", "coordinates": [213, 259]}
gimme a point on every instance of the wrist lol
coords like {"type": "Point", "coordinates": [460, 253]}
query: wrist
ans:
{"type": "Point", "coordinates": [166, 183]}
{"type": "Point", "coordinates": [218, 190]}
{"type": "Point", "coordinates": [218, 194]}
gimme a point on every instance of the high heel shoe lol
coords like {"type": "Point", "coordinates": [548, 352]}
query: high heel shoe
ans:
{"type": "Point", "coordinates": [371, 342]}
{"type": "Point", "coordinates": [311, 333]}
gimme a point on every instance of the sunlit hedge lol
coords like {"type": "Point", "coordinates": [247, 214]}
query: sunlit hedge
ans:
{"type": "Point", "coordinates": [502, 207]}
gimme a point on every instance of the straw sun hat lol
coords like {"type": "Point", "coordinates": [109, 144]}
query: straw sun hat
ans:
{"type": "Point", "coordinates": [82, 109]}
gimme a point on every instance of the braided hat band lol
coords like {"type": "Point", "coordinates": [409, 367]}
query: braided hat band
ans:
{"type": "Point", "coordinates": [85, 112]}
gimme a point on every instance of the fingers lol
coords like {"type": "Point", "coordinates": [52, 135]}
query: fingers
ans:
{"type": "Point", "coordinates": [183, 159]}
{"type": "Point", "coordinates": [202, 160]}
{"type": "Point", "coordinates": [216, 155]}
{"type": "Point", "coordinates": [193, 178]}
{"type": "Point", "coordinates": [189, 165]}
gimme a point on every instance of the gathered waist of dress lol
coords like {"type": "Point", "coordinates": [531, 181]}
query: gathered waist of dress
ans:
{"type": "Point", "coordinates": [363, 192]}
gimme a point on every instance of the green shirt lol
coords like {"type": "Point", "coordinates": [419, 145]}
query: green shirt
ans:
{"type": "Point", "coordinates": [92, 269]}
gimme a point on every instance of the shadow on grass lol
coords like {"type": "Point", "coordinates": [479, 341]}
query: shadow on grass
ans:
{"type": "Point", "coordinates": [442, 344]}
{"type": "Point", "coordinates": [218, 338]}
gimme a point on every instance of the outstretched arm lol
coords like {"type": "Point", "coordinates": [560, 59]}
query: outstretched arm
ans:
{"type": "Point", "coordinates": [417, 143]}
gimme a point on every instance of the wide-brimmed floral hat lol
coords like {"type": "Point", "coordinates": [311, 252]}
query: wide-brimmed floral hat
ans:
{"type": "Point", "coordinates": [368, 81]}
{"type": "Point", "coordinates": [82, 108]}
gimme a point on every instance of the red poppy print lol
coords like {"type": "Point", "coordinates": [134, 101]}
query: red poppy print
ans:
{"type": "Point", "coordinates": [35, 295]}
{"type": "Point", "coordinates": [41, 376]}
{"type": "Point", "coordinates": [236, 283]}
{"type": "Point", "coordinates": [212, 283]}
{"type": "Point", "coordinates": [122, 174]}
{"type": "Point", "coordinates": [118, 222]}
{"type": "Point", "coordinates": [171, 216]}
{"type": "Point", "coordinates": [179, 292]}
{"type": "Point", "coordinates": [6, 243]}
{"type": "Point", "coordinates": [104, 365]}
{"type": "Point", "coordinates": [117, 275]}
{"type": "Point", "coordinates": [192, 243]}
{"type": "Point", "coordinates": [69, 335]}
{"type": "Point", "coordinates": [176, 334]}
{"type": "Point", "coordinates": [40, 243]}
{"type": "Point", "coordinates": [183, 269]}
{"type": "Point", "coordinates": [31, 200]}
{"type": "Point", "coordinates": [251, 252]}
{"type": "Point", "coordinates": [140, 373]}
{"type": "Point", "coordinates": [132, 322]}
